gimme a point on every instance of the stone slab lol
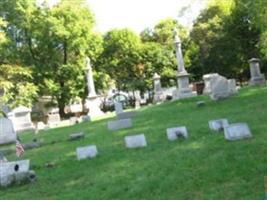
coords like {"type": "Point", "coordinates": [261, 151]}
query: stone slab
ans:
{"type": "Point", "coordinates": [86, 152]}
{"type": "Point", "coordinates": [10, 169]}
{"type": "Point", "coordinates": [76, 136]}
{"type": "Point", "coordinates": [119, 124]}
{"type": "Point", "coordinates": [218, 124]}
{"type": "Point", "coordinates": [175, 132]}
{"type": "Point", "coordinates": [237, 131]}
{"type": "Point", "coordinates": [126, 115]}
{"type": "Point", "coordinates": [135, 141]}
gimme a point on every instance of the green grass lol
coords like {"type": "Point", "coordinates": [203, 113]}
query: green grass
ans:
{"type": "Point", "coordinates": [204, 167]}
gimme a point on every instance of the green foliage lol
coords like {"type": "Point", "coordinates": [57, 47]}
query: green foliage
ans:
{"type": "Point", "coordinates": [15, 82]}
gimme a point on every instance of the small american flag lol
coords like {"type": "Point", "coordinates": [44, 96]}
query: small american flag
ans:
{"type": "Point", "coordinates": [19, 148]}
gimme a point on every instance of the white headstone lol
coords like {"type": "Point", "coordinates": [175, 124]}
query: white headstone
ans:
{"type": "Point", "coordinates": [207, 81]}
{"type": "Point", "coordinates": [135, 141]}
{"type": "Point", "coordinates": [21, 118]}
{"type": "Point", "coordinates": [218, 124]}
{"type": "Point", "coordinates": [175, 132]}
{"type": "Point", "coordinates": [237, 131]}
{"type": "Point", "coordinates": [120, 124]}
{"type": "Point", "coordinates": [7, 132]}
{"type": "Point", "coordinates": [86, 152]}
{"type": "Point", "coordinates": [9, 169]}
{"type": "Point", "coordinates": [118, 107]}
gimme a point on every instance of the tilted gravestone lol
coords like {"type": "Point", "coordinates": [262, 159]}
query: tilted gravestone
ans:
{"type": "Point", "coordinates": [86, 152]}
{"type": "Point", "coordinates": [120, 124]}
{"type": "Point", "coordinates": [135, 141]}
{"type": "Point", "coordinates": [15, 172]}
{"type": "Point", "coordinates": [237, 131]}
{"type": "Point", "coordinates": [218, 124]}
{"type": "Point", "coordinates": [7, 132]}
{"type": "Point", "coordinates": [175, 132]}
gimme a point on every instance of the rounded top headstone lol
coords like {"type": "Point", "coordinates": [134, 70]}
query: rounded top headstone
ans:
{"type": "Point", "coordinates": [253, 60]}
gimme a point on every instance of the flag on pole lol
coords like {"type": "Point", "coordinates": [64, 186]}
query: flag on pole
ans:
{"type": "Point", "coordinates": [19, 149]}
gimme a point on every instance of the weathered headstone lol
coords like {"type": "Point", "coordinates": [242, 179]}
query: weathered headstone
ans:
{"type": "Point", "coordinates": [257, 78]}
{"type": "Point", "coordinates": [21, 118]}
{"type": "Point", "coordinates": [53, 118]}
{"type": "Point", "coordinates": [207, 81]}
{"type": "Point", "coordinates": [86, 152]}
{"type": "Point", "coordinates": [7, 132]}
{"type": "Point", "coordinates": [118, 107]}
{"type": "Point", "coordinates": [221, 88]}
{"type": "Point", "coordinates": [177, 132]}
{"type": "Point", "coordinates": [76, 136]}
{"type": "Point", "coordinates": [120, 124]}
{"type": "Point", "coordinates": [135, 141]}
{"type": "Point", "coordinates": [218, 124]}
{"type": "Point", "coordinates": [15, 172]}
{"type": "Point", "coordinates": [237, 131]}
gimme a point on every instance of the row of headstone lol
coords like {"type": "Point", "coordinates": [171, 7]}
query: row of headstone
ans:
{"type": "Point", "coordinates": [235, 131]}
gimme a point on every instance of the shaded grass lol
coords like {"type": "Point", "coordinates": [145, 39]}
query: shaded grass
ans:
{"type": "Point", "coordinates": [204, 167]}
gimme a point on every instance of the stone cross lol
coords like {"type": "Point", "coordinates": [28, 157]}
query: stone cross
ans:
{"type": "Point", "coordinates": [90, 80]}
{"type": "Point", "coordinates": [179, 54]}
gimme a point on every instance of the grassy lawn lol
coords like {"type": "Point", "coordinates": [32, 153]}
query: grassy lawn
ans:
{"type": "Point", "coordinates": [204, 167]}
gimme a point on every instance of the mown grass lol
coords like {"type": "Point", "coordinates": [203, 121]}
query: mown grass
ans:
{"type": "Point", "coordinates": [204, 167]}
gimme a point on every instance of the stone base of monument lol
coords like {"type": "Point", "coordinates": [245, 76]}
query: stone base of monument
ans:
{"type": "Point", "coordinates": [255, 81]}
{"type": "Point", "coordinates": [176, 132]}
{"type": "Point", "coordinates": [16, 172]}
{"type": "Point", "coordinates": [120, 124]}
{"type": "Point", "coordinates": [126, 115]}
{"type": "Point", "coordinates": [237, 131]}
{"type": "Point", "coordinates": [93, 105]}
{"type": "Point", "coordinates": [86, 152]}
{"type": "Point", "coordinates": [135, 141]}
{"type": "Point", "coordinates": [218, 124]}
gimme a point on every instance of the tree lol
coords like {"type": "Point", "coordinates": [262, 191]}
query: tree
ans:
{"type": "Point", "coordinates": [120, 57]}
{"type": "Point", "coordinates": [55, 40]}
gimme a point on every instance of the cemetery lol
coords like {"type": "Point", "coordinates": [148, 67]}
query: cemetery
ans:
{"type": "Point", "coordinates": [173, 112]}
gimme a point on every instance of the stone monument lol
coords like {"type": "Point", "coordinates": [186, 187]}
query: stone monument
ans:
{"type": "Point", "coordinates": [21, 118]}
{"type": "Point", "coordinates": [182, 76]}
{"type": "Point", "coordinates": [7, 132]}
{"type": "Point", "coordinates": [158, 92]}
{"type": "Point", "coordinates": [93, 101]}
{"type": "Point", "coordinates": [256, 77]}
{"type": "Point", "coordinates": [207, 81]}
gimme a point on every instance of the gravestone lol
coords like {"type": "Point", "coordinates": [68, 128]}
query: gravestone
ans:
{"type": "Point", "coordinates": [126, 115]}
{"type": "Point", "coordinates": [201, 103]}
{"type": "Point", "coordinates": [135, 141]}
{"type": "Point", "coordinates": [7, 132]}
{"type": "Point", "coordinates": [86, 118]}
{"type": "Point", "coordinates": [118, 107]}
{"type": "Point", "coordinates": [257, 78]}
{"type": "Point", "coordinates": [221, 88]}
{"type": "Point", "coordinates": [53, 118]}
{"type": "Point", "coordinates": [86, 152]}
{"type": "Point", "coordinates": [21, 118]}
{"type": "Point", "coordinates": [218, 124]}
{"type": "Point", "coordinates": [176, 132]}
{"type": "Point", "coordinates": [74, 120]}
{"type": "Point", "coordinates": [207, 81]}
{"type": "Point", "coordinates": [76, 136]}
{"type": "Point", "coordinates": [120, 124]}
{"type": "Point", "coordinates": [158, 92]}
{"type": "Point", "coordinates": [237, 131]}
{"type": "Point", "coordinates": [15, 172]}
{"type": "Point", "coordinates": [183, 91]}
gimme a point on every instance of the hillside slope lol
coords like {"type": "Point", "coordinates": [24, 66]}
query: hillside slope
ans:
{"type": "Point", "coordinates": [204, 167]}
